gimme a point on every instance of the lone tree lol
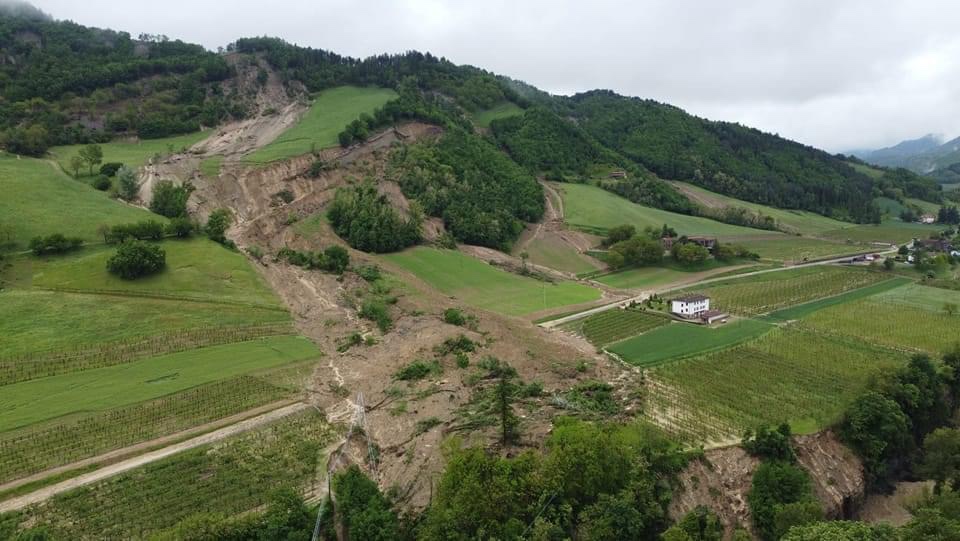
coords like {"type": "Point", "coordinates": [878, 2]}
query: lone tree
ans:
{"type": "Point", "coordinates": [217, 225]}
{"type": "Point", "coordinates": [127, 184]}
{"type": "Point", "coordinates": [76, 162]}
{"type": "Point", "coordinates": [92, 155]}
{"type": "Point", "coordinates": [135, 259]}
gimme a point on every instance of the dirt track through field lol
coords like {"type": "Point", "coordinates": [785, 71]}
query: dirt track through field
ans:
{"type": "Point", "coordinates": [45, 493]}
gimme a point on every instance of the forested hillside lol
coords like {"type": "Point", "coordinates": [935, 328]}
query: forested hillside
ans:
{"type": "Point", "coordinates": [63, 83]}
{"type": "Point", "coordinates": [725, 157]}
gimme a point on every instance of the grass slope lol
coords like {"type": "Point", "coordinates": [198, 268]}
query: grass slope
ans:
{"type": "Point", "coordinates": [806, 223]}
{"type": "Point", "coordinates": [331, 111]}
{"type": "Point", "coordinates": [131, 153]}
{"type": "Point", "coordinates": [646, 277]}
{"type": "Point", "coordinates": [501, 110]}
{"type": "Point", "coordinates": [679, 340]}
{"type": "Point", "coordinates": [197, 268]}
{"type": "Point", "coordinates": [595, 209]}
{"type": "Point", "coordinates": [38, 199]}
{"type": "Point", "coordinates": [890, 232]}
{"type": "Point", "coordinates": [488, 287]}
{"type": "Point", "coordinates": [551, 251]}
{"type": "Point", "coordinates": [104, 388]}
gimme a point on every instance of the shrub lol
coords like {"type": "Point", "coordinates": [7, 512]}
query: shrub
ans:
{"type": "Point", "coordinates": [110, 169]}
{"type": "Point", "coordinates": [334, 259]}
{"type": "Point", "coordinates": [418, 370]}
{"type": "Point", "coordinates": [217, 225]}
{"type": "Point", "coordinates": [135, 259]}
{"type": "Point", "coordinates": [285, 195]}
{"type": "Point", "coordinates": [180, 227]}
{"type": "Point", "coordinates": [453, 316]}
{"type": "Point", "coordinates": [127, 186]}
{"type": "Point", "coordinates": [54, 244]}
{"type": "Point", "coordinates": [101, 182]}
{"type": "Point", "coordinates": [770, 443]}
{"type": "Point", "coordinates": [376, 310]}
{"type": "Point", "coordinates": [370, 273]}
{"type": "Point", "coordinates": [460, 344]}
{"type": "Point", "coordinates": [780, 497]}
{"type": "Point", "coordinates": [367, 221]}
{"type": "Point", "coordinates": [170, 200]}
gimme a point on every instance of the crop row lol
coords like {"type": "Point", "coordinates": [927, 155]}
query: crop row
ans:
{"type": "Point", "coordinates": [37, 448]}
{"type": "Point", "coordinates": [38, 365]}
{"type": "Point", "coordinates": [890, 324]}
{"type": "Point", "coordinates": [615, 325]}
{"type": "Point", "coordinates": [759, 296]}
{"type": "Point", "coordinates": [787, 375]}
{"type": "Point", "coordinates": [228, 478]}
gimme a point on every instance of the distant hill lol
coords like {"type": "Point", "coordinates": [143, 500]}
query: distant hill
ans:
{"type": "Point", "coordinates": [925, 155]}
{"type": "Point", "coordinates": [63, 83]}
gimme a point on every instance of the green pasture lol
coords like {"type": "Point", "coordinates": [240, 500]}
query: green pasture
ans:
{"type": "Point", "coordinates": [797, 249]}
{"type": "Point", "coordinates": [679, 340]}
{"type": "Point", "coordinates": [551, 251]}
{"type": "Point", "coordinates": [501, 110]}
{"type": "Point", "coordinates": [486, 286]}
{"type": "Point", "coordinates": [800, 221]}
{"type": "Point", "coordinates": [130, 153]}
{"type": "Point", "coordinates": [197, 269]}
{"type": "Point", "coordinates": [39, 199]}
{"type": "Point", "coordinates": [330, 112]}
{"type": "Point", "coordinates": [889, 232]}
{"type": "Point", "coordinates": [596, 210]}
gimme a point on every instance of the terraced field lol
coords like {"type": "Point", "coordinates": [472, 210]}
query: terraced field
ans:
{"type": "Point", "coordinates": [615, 325]}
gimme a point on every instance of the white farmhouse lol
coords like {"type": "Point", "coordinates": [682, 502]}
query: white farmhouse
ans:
{"type": "Point", "coordinates": [690, 306]}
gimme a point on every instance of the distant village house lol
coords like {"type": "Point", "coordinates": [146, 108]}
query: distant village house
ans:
{"type": "Point", "coordinates": [928, 219]}
{"type": "Point", "coordinates": [618, 174]}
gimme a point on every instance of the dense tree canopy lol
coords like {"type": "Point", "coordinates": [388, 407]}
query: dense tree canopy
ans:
{"type": "Point", "coordinates": [482, 195]}
{"type": "Point", "coordinates": [366, 220]}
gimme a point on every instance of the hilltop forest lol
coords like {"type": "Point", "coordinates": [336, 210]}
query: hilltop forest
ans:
{"type": "Point", "coordinates": [63, 83]}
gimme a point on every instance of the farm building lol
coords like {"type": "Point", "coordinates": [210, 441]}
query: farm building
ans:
{"type": "Point", "coordinates": [618, 174]}
{"type": "Point", "coordinates": [928, 219]}
{"type": "Point", "coordinates": [712, 316]}
{"type": "Point", "coordinates": [690, 306]}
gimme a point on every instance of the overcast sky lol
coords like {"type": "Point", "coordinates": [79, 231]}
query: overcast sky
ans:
{"type": "Point", "coordinates": [831, 73]}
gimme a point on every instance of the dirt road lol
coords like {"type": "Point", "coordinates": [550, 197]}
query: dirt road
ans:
{"type": "Point", "coordinates": [146, 458]}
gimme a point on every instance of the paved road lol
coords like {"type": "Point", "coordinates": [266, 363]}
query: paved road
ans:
{"type": "Point", "coordinates": [644, 294]}
{"type": "Point", "coordinates": [146, 458]}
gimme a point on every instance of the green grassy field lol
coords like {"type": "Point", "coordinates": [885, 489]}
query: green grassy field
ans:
{"type": "Point", "coordinates": [679, 340]}
{"type": "Point", "coordinates": [894, 285]}
{"type": "Point", "coordinates": [951, 187]}
{"type": "Point", "coordinates": [866, 169]}
{"type": "Point", "coordinates": [595, 209]}
{"type": "Point", "coordinates": [486, 286]}
{"type": "Point", "coordinates": [919, 296]}
{"type": "Point", "coordinates": [198, 269]}
{"type": "Point", "coordinates": [100, 389]}
{"type": "Point", "coordinates": [647, 277]}
{"type": "Point", "coordinates": [235, 476]}
{"type": "Point", "coordinates": [797, 249]}
{"type": "Point", "coordinates": [926, 206]}
{"type": "Point", "coordinates": [806, 223]}
{"type": "Point", "coordinates": [768, 292]}
{"type": "Point", "coordinates": [890, 231]}
{"type": "Point", "coordinates": [615, 325]}
{"type": "Point", "coordinates": [501, 110]}
{"type": "Point", "coordinates": [891, 208]}
{"type": "Point", "coordinates": [330, 112]}
{"type": "Point", "coordinates": [554, 253]}
{"type": "Point", "coordinates": [131, 153]}
{"type": "Point", "coordinates": [802, 377]}
{"type": "Point", "coordinates": [38, 199]}
{"type": "Point", "coordinates": [40, 321]}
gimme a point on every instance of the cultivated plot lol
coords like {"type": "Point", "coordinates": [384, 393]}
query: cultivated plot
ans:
{"type": "Point", "coordinates": [486, 286]}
